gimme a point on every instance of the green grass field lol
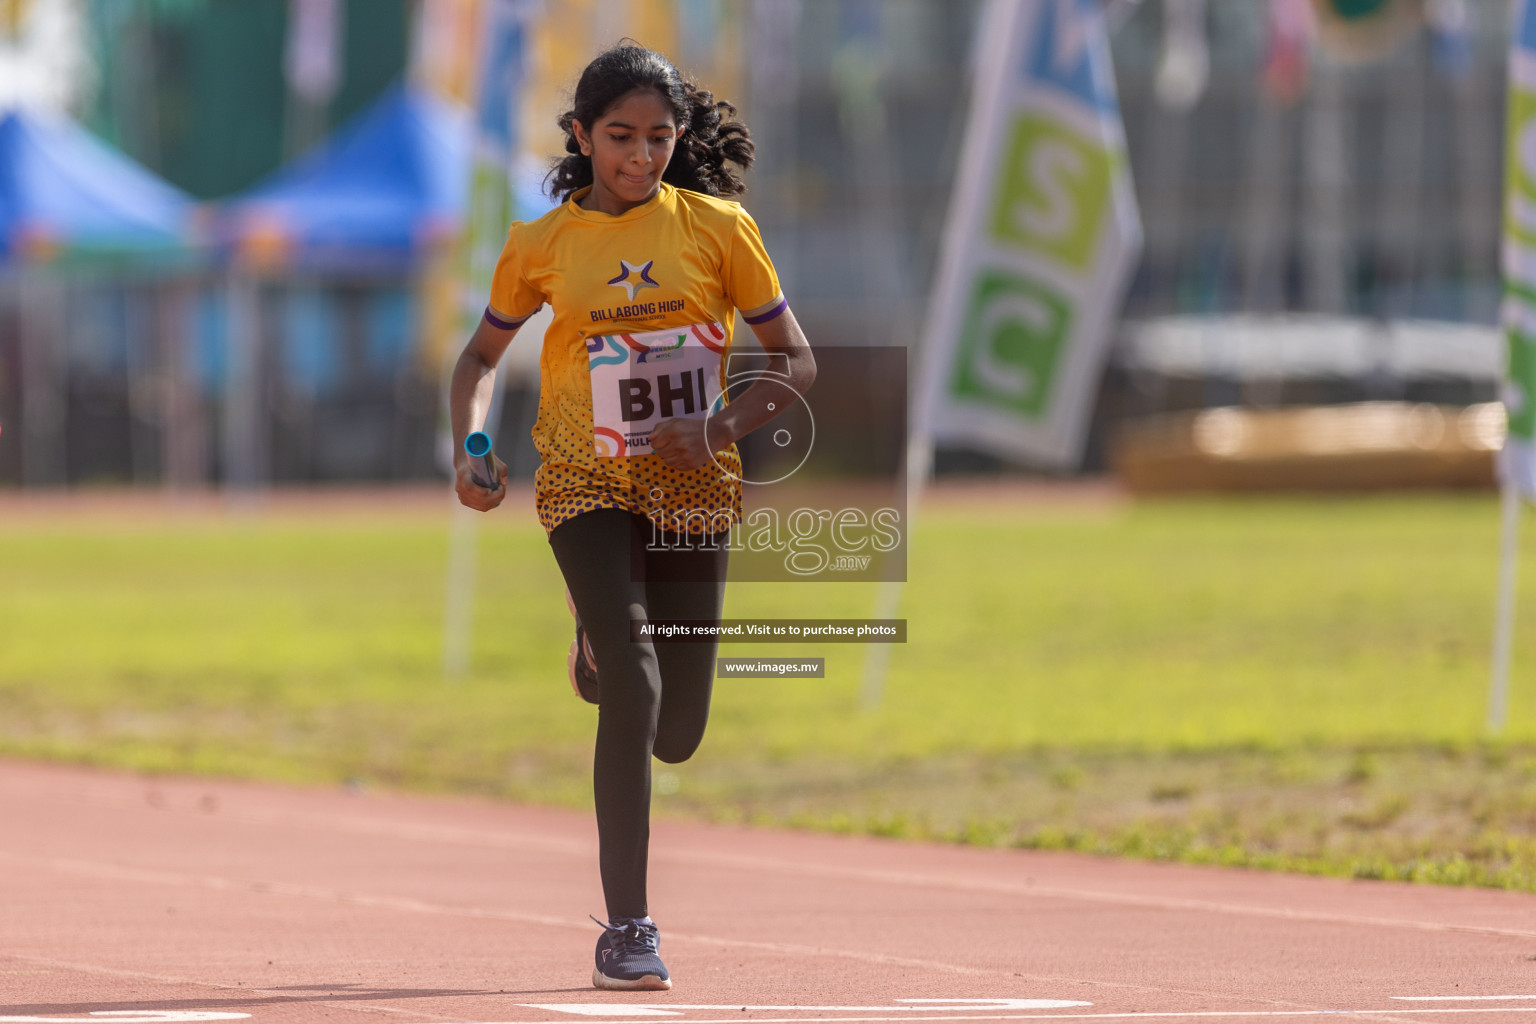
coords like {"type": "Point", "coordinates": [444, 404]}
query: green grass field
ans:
{"type": "Point", "coordinates": [1296, 683]}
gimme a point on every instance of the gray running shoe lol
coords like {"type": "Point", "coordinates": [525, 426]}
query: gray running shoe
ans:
{"type": "Point", "coordinates": [628, 956]}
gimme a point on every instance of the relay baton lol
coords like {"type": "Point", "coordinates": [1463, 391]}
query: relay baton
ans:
{"type": "Point", "coordinates": [481, 467]}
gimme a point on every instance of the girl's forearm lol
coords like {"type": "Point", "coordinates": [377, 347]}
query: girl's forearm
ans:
{"type": "Point", "coordinates": [469, 397]}
{"type": "Point", "coordinates": [763, 401]}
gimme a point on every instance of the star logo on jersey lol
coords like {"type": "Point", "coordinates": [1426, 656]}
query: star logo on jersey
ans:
{"type": "Point", "coordinates": [634, 278]}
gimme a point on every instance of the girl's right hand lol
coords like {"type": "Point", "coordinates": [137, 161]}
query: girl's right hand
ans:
{"type": "Point", "coordinates": [471, 494]}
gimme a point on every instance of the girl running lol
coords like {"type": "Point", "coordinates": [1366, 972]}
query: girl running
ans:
{"type": "Point", "coordinates": [645, 265]}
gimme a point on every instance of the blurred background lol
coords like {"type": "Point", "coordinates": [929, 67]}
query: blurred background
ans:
{"type": "Point", "coordinates": [232, 231]}
{"type": "Point", "coordinates": [241, 242]}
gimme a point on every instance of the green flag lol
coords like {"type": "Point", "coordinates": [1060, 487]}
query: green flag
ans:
{"type": "Point", "coordinates": [1042, 235]}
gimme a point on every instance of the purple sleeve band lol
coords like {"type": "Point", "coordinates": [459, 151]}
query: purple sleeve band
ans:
{"type": "Point", "coordinates": [776, 309]}
{"type": "Point", "coordinates": [506, 325]}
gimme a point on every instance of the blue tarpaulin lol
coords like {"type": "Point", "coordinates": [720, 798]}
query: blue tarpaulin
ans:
{"type": "Point", "coordinates": [62, 191]}
{"type": "Point", "coordinates": [388, 184]}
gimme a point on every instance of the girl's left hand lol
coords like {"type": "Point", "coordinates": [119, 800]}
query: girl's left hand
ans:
{"type": "Point", "coordinates": [682, 443]}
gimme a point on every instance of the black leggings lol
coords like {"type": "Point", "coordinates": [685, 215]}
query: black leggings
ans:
{"type": "Point", "coordinates": [654, 698]}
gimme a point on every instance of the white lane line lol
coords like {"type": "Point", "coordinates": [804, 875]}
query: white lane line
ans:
{"type": "Point", "coordinates": [996, 887]}
{"type": "Point", "coordinates": [459, 835]}
{"type": "Point", "coordinates": [122, 873]}
{"type": "Point", "coordinates": [1391, 1013]}
{"type": "Point", "coordinates": [244, 991]}
{"type": "Point", "coordinates": [118, 872]}
{"type": "Point", "coordinates": [1457, 999]}
{"type": "Point", "coordinates": [114, 872]}
{"type": "Point", "coordinates": [604, 1009]}
{"type": "Point", "coordinates": [456, 835]}
{"type": "Point", "coordinates": [131, 1017]}
{"type": "Point", "coordinates": [115, 972]}
{"type": "Point", "coordinates": [924, 1006]}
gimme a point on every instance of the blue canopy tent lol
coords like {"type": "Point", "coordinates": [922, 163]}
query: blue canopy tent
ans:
{"type": "Point", "coordinates": [342, 238]}
{"type": "Point", "coordinates": [63, 192]}
{"type": "Point", "coordinates": [85, 325]}
{"type": "Point", "coordinates": [388, 185]}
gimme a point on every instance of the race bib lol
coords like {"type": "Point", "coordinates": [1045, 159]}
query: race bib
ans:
{"type": "Point", "coordinates": [638, 380]}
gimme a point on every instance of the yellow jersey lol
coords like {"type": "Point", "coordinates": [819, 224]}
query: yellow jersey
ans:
{"type": "Point", "coordinates": [679, 260]}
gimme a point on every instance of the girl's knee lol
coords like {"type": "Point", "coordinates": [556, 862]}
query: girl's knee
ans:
{"type": "Point", "coordinates": [674, 756]}
{"type": "Point", "coordinates": [674, 749]}
{"type": "Point", "coordinates": [636, 697]}
{"type": "Point", "coordinates": [684, 716]}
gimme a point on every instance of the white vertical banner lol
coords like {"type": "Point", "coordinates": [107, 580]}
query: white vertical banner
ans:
{"type": "Point", "coordinates": [1039, 245]}
{"type": "Point", "coordinates": [1042, 235]}
{"type": "Point", "coordinates": [444, 38]}
{"type": "Point", "coordinates": [506, 26]}
{"type": "Point", "coordinates": [312, 51]}
{"type": "Point", "coordinates": [312, 65]}
{"type": "Point", "coordinates": [45, 60]}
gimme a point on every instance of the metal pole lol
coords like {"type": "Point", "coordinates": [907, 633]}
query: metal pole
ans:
{"type": "Point", "coordinates": [459, 602]}
{"type": "Point", "coordinates": [243, 423]}
{"type": "Point", "coordinates": [919, 472]}
{"type": "Point", "coordinates": [1504, 624]}
{"type": "Point", "coordinates": [44, 379]}
{"type": "Point", "coordinates": [463, 537]}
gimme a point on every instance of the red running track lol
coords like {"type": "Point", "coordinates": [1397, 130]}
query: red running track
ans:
{"type": "Point", "coordinates": [134, 900]}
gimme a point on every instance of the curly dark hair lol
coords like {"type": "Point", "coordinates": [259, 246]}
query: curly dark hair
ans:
{"type": "Point", "coordinates": [713, 138]}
